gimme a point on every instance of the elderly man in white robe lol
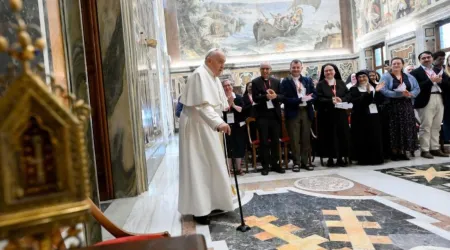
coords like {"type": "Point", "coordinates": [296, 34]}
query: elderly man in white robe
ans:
{"type": "Point", "coordinates": [204, 182]}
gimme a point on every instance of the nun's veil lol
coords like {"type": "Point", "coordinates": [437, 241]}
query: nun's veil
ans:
{"type": "Point", "coordinates": [337, 74]}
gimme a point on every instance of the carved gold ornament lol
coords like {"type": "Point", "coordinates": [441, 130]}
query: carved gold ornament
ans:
{"type": "Point", "coordinates": [44, 181]}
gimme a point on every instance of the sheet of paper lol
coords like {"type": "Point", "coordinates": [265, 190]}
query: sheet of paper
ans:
{"type": "Point", "coordinates": [343, 105]}
{"type": "Point", "coordinates": [400, 88]}
{"type": "Point", "coordinates": [270, 104]}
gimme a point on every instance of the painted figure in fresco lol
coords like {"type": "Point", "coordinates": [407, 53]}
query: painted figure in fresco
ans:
{"type": "Point", "coordinates": [283, 25]}
{"type": "Point", "coordinates": [373, 15]}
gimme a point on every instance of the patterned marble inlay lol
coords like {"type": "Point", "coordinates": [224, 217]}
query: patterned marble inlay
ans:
{"type": "Point", "coordinates": [355, 229]}
{"type": "Point", "coordinates": [323, 184]}
{"type": "Point", "coordinates": [284, 233]}
{"type": "Point", "coordinates": [435, 175]}
{"type": "Point", "coordinates": [290, 220]}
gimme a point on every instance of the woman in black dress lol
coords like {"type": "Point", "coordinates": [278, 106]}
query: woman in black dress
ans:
{"type": "Point", "coordinates": [235, 118]}
{"type": "Point", "coordinates": [333, 128]}
{"type": "Point", "coordinates": [366, 135]}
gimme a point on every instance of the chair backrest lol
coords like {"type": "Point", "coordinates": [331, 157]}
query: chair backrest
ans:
{"type": "Point", "coordinates": [248, 121]}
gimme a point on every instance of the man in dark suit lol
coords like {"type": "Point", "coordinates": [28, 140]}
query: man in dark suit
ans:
{"type": "Point", "coordinates": [299, 93]}
{"type": "Point", "coordinates": [266, 93]}
{"type": "Point", "coordinates": [429, 104]}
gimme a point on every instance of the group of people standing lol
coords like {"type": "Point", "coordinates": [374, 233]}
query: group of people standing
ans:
{"type": "Point", "coordinates": [381, 124]}
{"type": "Point", "coordinates": [369, 121]}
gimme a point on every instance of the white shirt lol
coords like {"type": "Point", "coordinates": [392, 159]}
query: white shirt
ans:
{"type": "Point", "coordinates": [430, 73]}
{"type": "Point", "coordinates": [331, 82]}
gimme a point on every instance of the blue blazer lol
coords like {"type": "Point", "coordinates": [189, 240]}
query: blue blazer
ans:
{"type": "Point", "coordinates": [291, 100]}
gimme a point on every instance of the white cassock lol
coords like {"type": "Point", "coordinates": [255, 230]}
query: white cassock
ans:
{"type": "Point", "coordinates": [204, 181]}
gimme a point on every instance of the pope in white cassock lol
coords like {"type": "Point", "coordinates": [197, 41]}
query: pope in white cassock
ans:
{"type": "Point", "coordinates": [204, 180]}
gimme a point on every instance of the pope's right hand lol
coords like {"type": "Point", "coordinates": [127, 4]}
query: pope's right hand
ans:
{"type": "Point", "coordinates": [224, 128]}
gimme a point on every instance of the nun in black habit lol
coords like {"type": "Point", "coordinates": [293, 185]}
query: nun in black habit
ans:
{"type": "Point", "coordinates": [367, 140]}
{"type": "Point", "coordinates": [332, 122]}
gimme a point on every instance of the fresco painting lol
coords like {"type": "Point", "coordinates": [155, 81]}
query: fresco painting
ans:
{"type": "Point", "coordinates": [374, 14]}
{"type": "Point", "coordinates": [252, 27]}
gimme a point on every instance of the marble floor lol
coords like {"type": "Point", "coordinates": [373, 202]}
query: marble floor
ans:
{"type": "Point", "coordinates": [398, 205]}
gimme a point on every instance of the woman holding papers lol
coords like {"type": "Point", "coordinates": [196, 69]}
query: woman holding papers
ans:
{"type": "Point", "coordinates": [366, 125]}
{"type": "Point", "coordinates": [333, 128]}
{"type": "Point", "coordinates": [400, 90]}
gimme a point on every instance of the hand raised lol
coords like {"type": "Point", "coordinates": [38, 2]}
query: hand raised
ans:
{"type": "Point", "coordinates": [379, 86]}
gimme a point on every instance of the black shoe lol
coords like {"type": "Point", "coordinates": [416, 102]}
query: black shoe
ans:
{"type": "Point", "coordinates": [403, 157]}
{"type": "Point", "coordinates": [438, 153]}
{"type": "Point", "coordinates": [296, 168]}
{"type": "Point", "coordinates": [341, 163]}
{"type": "Point", "coordinates": [330, 163]}
{"type": "Point", "coordinates": [307, 167]}
{"type": "Point", "coordinates": [202, 220]}
{"type": "Point", "coordinates": [279, 170]}
{"type": "Point", "coordinates": [264, 172]}
{"type": "Point", "coordinates": [217, 212]}
{"type": "Point", "coordinates": [395, 157]}
{"type": "Point", "coordinates": [426, 154]}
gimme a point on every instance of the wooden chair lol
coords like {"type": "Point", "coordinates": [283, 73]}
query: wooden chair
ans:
{"type": "Point", "coordinates": [120, 234]}
{"type": "Point", "coordinates": [255, 143]}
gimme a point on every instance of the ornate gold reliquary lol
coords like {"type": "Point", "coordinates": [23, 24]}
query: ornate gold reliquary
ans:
{"type": "Point", "coordinates": [44, 180]}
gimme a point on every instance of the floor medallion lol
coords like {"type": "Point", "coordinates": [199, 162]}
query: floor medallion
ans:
{"type": "Point", "coordinates": [323, 184]}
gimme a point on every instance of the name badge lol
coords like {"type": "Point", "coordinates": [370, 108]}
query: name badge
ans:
{"type": "Point", "coordinates": [373, 109]}
{"type": "Point", "coordinates": [270, 104]}
{"type": "Point", "coordinates": [230, 118]}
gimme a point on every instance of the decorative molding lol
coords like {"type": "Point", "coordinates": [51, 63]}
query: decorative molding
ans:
{"type": "Point", "coordinates": [276, 64]}
{"type": "Point", "coordinates": [400, 39]}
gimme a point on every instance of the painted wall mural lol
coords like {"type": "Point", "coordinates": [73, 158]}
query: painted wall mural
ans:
{"type": "Point", "coordinates": [251, 27]}
{"type": "Point", "coordinates": [374, 14]}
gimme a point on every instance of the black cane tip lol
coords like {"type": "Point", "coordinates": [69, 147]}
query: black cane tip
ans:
{"type": "Point", "coordinates": [243, 228]}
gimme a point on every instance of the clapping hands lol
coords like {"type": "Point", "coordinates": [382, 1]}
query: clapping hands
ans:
{"type": "Point", "coordinates": [436, 79]}
{"type": "Point", "coordinates": [379, 86]}
{"type": "Point", "coordinates": [307, 98]}
{"type": "Point", "coordinates": [271, 94]}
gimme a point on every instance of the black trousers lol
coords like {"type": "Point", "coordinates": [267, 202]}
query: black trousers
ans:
{"type": "Point", "coordinates": [269, 129]}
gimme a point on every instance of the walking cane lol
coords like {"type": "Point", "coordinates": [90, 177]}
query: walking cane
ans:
{"type": "Point", "coordinates": [243, 227]}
